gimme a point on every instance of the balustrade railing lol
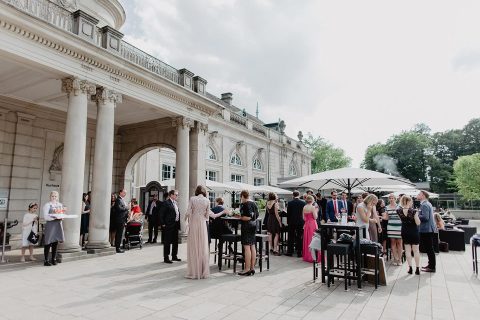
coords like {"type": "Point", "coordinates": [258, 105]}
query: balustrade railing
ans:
{"type": "Point", "coordinates": [238, 119]}
{"type": "Point", "coordinates": [143, 59]}
{"type": "Point", "coordinates": [46, 11]}
{"type": "Point", "coordinates": [260, 129]}
{"type": "Point", "coordinates": [63, 19]}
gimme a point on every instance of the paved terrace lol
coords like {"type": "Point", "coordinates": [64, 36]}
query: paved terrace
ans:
{"type": "Point", "coordinates": [137, 285]}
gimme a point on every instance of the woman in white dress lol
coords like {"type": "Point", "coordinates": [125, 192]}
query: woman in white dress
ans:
{"type": "Point", "coordinates": [30, 223]}
{"type": "Point", "coordinates": [197, 215]}
{"type": "Point", "coordinates": [53, 233]}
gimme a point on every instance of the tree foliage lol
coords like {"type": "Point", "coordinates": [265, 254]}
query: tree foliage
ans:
{"type": "Point", "coordinates": [467, 176]}
{"type": "Point", "coordinates": [325, 155]}
{"type": "Point", "coordinates": [421, 155]}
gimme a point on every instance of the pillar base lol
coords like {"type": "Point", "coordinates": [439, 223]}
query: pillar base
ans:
{"type": "Point", "coordinates": [70, 248]}
{"type": "Point", "coordinates": [97, 245]}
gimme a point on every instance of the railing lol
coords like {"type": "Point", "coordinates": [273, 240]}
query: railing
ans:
{"type": "Point", "coordinates": [260, 129]}
{"type": "Point", "coordinates": [63, 19]}
{"type": "Point", "coordinates": [238, 119]}
{"type": "Point", "coordinates": [46, 11]}
{"type": "Point", "coordinates": [143, 59]}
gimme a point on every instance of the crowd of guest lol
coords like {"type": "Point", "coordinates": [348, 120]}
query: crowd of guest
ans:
{"type": "Point", "coordinates": [395, 225]}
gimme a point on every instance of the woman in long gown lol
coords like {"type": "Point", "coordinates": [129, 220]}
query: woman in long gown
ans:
{"type": "Point", "coordinates": [198, 255]}
{"type": "Point", "coordinates": [310, 215]}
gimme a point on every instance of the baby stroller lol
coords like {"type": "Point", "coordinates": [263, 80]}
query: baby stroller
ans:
{"type": "Point", "coordinates": [133, 234]}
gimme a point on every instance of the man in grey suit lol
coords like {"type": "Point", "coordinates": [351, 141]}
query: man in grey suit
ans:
{"type": "Point", "coordinates": [428, 229]}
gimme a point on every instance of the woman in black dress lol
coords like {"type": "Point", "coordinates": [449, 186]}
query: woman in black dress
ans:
{"type": "Point", "coordinates": [85, 218]}
{"type": "Point", "coordinates": [410, 235]}
{"type": "Point", "coordinates": [273, 223]}
{"type": "Point", "coordinates": [248, 217]}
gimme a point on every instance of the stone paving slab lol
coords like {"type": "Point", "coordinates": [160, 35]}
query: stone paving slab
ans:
{"type": "Point", "coordinates": [137, 285]}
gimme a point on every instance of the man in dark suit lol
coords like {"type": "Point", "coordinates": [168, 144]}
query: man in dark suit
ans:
{"type": "Point", "coordinates": [347, 204]}
{"type": "Point", "coordinates": [295, 224]}
{"type": "Point", "coordinates": [153, 211]}
{"type": "Point", "coordinates": [121, 210]}
{"type": "Point", "coordinates": [170, 221]}
{"type": "Point", "coordinates": [334, 207]}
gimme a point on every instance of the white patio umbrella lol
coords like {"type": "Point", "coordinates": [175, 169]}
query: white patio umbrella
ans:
{"type": "Point", "coordinates": [239, 186]}
{"type": "Point", "coordinates": [275, 189]}
{"type": "Point", "coordinates": [345, 178]}
{"type": "Point", "coordinates": [413, 193]}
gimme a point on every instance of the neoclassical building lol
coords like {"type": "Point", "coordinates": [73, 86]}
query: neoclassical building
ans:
{"type": "Point", "coordinates": [79, 107]}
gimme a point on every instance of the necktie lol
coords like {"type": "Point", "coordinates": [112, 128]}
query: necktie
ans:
{"type": "Point", "coordinates": [345, 205]}
{"type": "Point", "coordinates": [335, 207]}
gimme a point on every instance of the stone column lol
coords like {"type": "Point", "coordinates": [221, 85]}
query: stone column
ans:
{"type": "Point", "coordinates": [182, 165]}
{"type": "Point", "coordinates": [98, 236]}
{"type": "Point", "coordinates": [198, 143]}
{"type": "Point", "coordinates": [73, 166]}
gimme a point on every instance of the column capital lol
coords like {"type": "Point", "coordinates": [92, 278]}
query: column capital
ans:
{"type": "Point", "coordinates": [104, 95]}
{"type": "Point", "coordinates": [201, 127]}
{"type": "Point", "coordinates": [183, 122]}
{"type": "Point", "coordinates": [77, 86]}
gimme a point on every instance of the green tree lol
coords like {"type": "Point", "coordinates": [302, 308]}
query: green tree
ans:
{"type": "Point", "coordinates": [410, 150]}
{"type": "Point", "coordinates": [471, 134]}
{"type": "Point", "coordinates": [372, 153]}
{"type": "Point", "coordinates": [325, 155]}
{"type": "Point", "coordinates": [467, 176]}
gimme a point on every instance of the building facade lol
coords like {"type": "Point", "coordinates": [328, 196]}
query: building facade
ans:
{"type": "Point", "coordinates": [79, 107]}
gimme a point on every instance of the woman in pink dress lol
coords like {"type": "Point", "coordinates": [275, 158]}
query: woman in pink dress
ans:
{"type": "Point", "coordinates": [198, 255]}
{"type": "Point", "coordinates": [310, 214]}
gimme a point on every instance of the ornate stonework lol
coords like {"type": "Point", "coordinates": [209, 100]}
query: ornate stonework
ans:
{"type": "Point", "coordinates": [183, 122]}
{"type": "Point", "coordinates": [103, 95]}
{"type": "Point", "coordinates": [70, 5]}
{"type": "Point", "coordinates": [203, 127]}
{"type": "Point", "coordinates": [56, 164]}
{"type": "Point", "coordinates": [77, 86]}
{"type": "Point", "coordinates": [88, 60]}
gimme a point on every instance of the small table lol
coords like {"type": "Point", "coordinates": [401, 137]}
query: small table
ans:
{"type": "Point", "coordinates": [469, 232]}
{"type": "Point", "coordinates": [234, 221]}
{"type": "Point", "coordinates": [330, 227]}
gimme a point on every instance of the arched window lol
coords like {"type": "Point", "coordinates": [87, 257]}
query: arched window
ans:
{"type": "Point", "coordinates": [257, 164]}
{"type": "Point", "coordinates": [235, 159]}
{"type": "Point", "coordinates": [292, 169]}
{"type": "Point", "coordinates": [211, 154]}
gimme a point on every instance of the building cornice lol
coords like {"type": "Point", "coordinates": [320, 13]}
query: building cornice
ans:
{"type": "Point", "coordinates": [97, 57]}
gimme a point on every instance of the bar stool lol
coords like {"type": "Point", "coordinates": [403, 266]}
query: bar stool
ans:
{"type": "Point", "coordinates": [261, 239]}
{"type": "Point", "coordinates": [342, 251]}
{"type": "Point", "coordinates": [371, 249]}
{"type": "Point", "coordinates": [229, 239]}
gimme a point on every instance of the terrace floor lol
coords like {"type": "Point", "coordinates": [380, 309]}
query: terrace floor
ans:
{"type": "Point", "coordinates": [138, 285]}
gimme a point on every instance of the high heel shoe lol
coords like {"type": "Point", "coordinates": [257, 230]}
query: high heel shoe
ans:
{"type": "Point", "coordinates": [417, 271]}
{"type": "Point", "coordinates": [245, 273]}
{"type": "Point", "coordinates": [252, 272]}
{"type": "Point", "coordinates": [410, 271]}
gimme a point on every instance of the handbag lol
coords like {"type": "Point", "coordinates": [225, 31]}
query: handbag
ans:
{"type": "Point", "coordinates": [33, 237]}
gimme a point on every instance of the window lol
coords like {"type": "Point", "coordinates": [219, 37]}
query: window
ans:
{"type": "Point", "coordinates": [257, 164]}
{"type": "Point", "coordinates": [211, 154]}
{"type": "Point", "coordinates": [211, 198]}
{"type": "Point", "coordinates": [236, 178]}
{"type": "Point", "coordinates": [211, 175]}
{"type": "Point", "coordinates": [258, 181]}
{"type": "Point", "coordinates": [235, 159]}
{"type": "Point", "coordinates": [168, 172]}
{"type": "Point", "coordinates": [292, 170]}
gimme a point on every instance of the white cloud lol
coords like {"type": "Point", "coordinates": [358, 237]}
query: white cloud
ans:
{"type": "Point", "coordinates": [354, 72]}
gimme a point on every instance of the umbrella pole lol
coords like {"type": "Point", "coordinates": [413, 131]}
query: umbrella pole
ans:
{"type": "Point", "coordinates": [349, 189]}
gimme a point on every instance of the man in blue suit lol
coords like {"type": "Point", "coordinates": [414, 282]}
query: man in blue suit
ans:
{"type": "Point", "coordinates": [334, 208]}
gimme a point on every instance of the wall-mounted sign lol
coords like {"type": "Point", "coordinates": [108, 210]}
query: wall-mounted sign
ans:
{"type": "Point", "coordinates": [3, 203]}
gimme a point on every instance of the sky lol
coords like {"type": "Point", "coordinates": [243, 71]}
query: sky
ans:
{"type": "Point", "coordinates": [353, 72]}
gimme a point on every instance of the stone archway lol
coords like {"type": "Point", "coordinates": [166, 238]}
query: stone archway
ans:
{"type": "Point", "coordinates": [138, 139]}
